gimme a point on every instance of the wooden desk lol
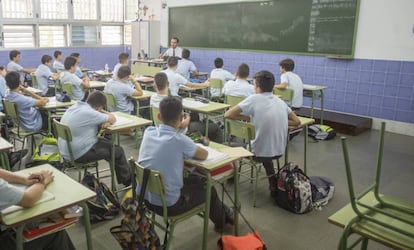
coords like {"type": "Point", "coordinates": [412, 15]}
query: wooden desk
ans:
{"type": "Point", "coordinates": [4, 153]}
{"type": "Point", "coordinates": [200, 75]}
{"type": "Point", "coordinates": [219, 178]}
{"type": "Point", "coordinates": [146, 95]}
{"type": "Point", "coordinates": [52, 105]}
{"type": "Point", "coordinates": [151, 62]}
{"type": "Point", "coordinates": [206, 108]}
{"type": "Point", "coordinates": [312, 91]}
{"type": "Point", "coordinates": [135, 122]}
{"type": "Point", "coordinates": [191, 90]}
{"type": "Point", "coordinates": [102, 73]}
{"type": "Point", "coordinates": [373, 231]}
{"type": "Point", "coordinates": [96, 85]}
{"type": "Point", "coordinates": [67, 193]}
{"type": "Point", "coordinates": [145, 81]}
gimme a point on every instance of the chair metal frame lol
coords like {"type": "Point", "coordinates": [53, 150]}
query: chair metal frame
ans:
{"type": "Point", "coordinates": [156, 186]}
{"type": "Point", "coordinates": [366, 213]}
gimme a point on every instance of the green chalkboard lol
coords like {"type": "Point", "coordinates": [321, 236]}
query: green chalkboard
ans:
{"type": "Point", "coordinates": [298, 26]}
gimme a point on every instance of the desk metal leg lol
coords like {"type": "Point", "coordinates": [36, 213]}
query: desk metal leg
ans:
{"type": "Point", "coordinates": [207, 210]}
{"type": "Point", "coordinates": [313, 102]}
{"type": "Point", "coordinates": [206, 131]}
{"type": "Point", "coordinates": [236, 197]}
{"type": "Point", "coordinates": [4, 160]}
{"type": "Point", "coordinates": [19, 237]}
{"type": "Point", "coordinates": [305, 149]}
{"type": "Point", "coordinates": [87, 225]}
{"type": "Point", "coordinates": [322, 97]}
{"type": "Point", "coordinates": [112, 164]}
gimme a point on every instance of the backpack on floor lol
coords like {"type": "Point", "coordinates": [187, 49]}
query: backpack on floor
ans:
{"type": "Point", "coordinates": [46, 152]}
{"type": "Point", "coordinates": [293, 189]}
{"type": "Point", "coordinates": [106, 205]}
{"type": "Point", "coordinates": [321, 132]}
{"type": "Point", "coordinates": [322, 190]}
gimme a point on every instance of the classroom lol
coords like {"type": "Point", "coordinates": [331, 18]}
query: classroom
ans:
{"type": "Point", "coordinates": [364, 64]}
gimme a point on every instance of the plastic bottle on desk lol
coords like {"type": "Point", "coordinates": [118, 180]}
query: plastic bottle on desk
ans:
{"type": "Point", "coordinates": [106, 68]}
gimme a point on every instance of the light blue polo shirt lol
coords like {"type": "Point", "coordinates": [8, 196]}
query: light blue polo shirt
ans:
{"type": "Point", "coordinates": [13, 66]}
{"type": "Point", "coordinates": [9, 195]}
{"type": "Point", "coordinates": [43, 73]}
{"type": "Point", "coordinates": [3, 90]}
{"type": "Point", "coordinates": [84, 122]}
{"type": "Point", "coordinates": [121, 91]}
{"type": "Point", "coordinates": [238, 87]}
{"type": "Point", "coordinates": [115, 71]}
{"type": "Point", "coordinates": [78, 72]}
{"type": "Point", "coordinates": [222, 74]}
{"type": "Point", "coordinates": [176, 80]}
{"type": "Point", "coordinates": [30, 118]}
{"type": "Point", "coordinates": [78, 92]}
{"type": "Point", "coordinates": [163, 148]}
{"type": "Point", "coordinates": [269, 114]}
{"type": "Point", "coordinates": [58, 66]}
{"type": "Point", "coordinates": [185, 67]}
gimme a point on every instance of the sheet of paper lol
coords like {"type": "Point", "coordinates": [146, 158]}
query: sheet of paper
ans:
{"type": "Point", "coordinates": [120, 120]}
{"type": "Point", "coordinates": [193, 104]}
{"type": "Point", "coordinates": [236, 151]}
{"type": "Point", "coordinates": [213, 156]}
{"type": "Point", "coordinates": [46, 196]}
{"type": "Point", "coordinates": [96, 84]}
{"type": "Point", "coordinates": [307, 86]}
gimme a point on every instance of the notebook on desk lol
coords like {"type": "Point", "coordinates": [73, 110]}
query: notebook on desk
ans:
{"type": "Point", "coordinates": [120, 120]}
{"type": "Point", "coordinates": [213, 156]}
{"type": "Point", "coordinates": [46, 196]}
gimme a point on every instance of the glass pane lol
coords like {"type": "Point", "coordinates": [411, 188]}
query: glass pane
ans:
{"type": "Point", "coordinates": [52, 36]}
{"type": "Point", "coordinates": [112, 10]}
{"type": "Point", "coordinates": [54, 9]}
{"type": "Point", "coordinates": [17, 8]}
{"type": "Point", "coordinates": [84, 35]}
{"type": "Point", "coordinates": [18, 36]}
{"type": "Point", "coordinates": [111, 35]}
{"type": "Point", "coordinates": [84, 9]}
{"type": "Point", "coordinates": [131, 9]}
{"type": "Point", "coordinates": [127, 34]}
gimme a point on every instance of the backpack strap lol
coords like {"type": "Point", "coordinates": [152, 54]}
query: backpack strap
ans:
{"type": "Point", "coordinates": [143, 188]}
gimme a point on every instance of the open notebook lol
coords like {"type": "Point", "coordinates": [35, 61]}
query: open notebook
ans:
{"type": "Point", "coordinates": [120, 120]}
{"type": "Point", "coordinates": [46, 196]}
{"type": "Point", "coordinates": [213, 156]}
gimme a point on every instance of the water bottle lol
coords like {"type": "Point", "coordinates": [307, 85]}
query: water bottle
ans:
{"type": "Point", "coordinates": [106, 68]}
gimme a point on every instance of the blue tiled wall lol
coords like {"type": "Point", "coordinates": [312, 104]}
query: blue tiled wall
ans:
{"type": "Point", "coordinates": [376, 88]}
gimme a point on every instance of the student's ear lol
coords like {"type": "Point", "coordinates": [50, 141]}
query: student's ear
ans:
{"type": "Point", "coordinates": [159, 116]}
{"type": "Point", "coordinates": [168, 83]}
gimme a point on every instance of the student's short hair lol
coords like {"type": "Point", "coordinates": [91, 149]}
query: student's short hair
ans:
{"type": "Point", "coordinates": [96, 99]}
{"type": "Point", "coordinates": [123, 72]}
{"type": "Point", "coordinates": [218, 62]}
{"type": "Point", "coordinates": [57, 53]}
{"type": "Point", "coordinates": [175, 38]}
{"type": "Point", "coordinates": [287, 64]}
{"type": "Point", "coordinates": [2, 67]}
{"type": "Point", "coordinates": [172, 61]}
{"type": "Point", "coordinates": [46, 59]}
{"type": "Point", "coordinates": [75, 54]}
{"type": "Point", "coordinates": [69, 62]}
{"type": "Point", "coordinates": [123, 57]}
{"type": "Point", "coordinates": [12, 80]}
{"type": "Point", "coordinates": [161, 80]}
{"type": "Point", "coordinates": [243, 70]}
{"type": "Point", "coordinates": [185, 54]}
{"type": "Point", "coordinates": [265, 80]}
{"type": "Point", "coordinates": [13, 54]}
{"type": "Point", "coordinates": [170, 109]}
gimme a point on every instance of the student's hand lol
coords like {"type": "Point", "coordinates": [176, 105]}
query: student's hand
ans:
{"type": "Point", "coordinates": [55, 76]}
{"type": "Point", "coordinates": [105, 124]}
{"type": "Point", "coordinates": [206, 83]}
{"type": "Point", "coordinates": [45, 177]}
{"type": "Point", "coordinates": [186, 121]}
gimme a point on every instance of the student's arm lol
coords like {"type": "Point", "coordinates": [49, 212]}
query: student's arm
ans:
{"type": "Point", "coordinates": [200, 154]}
{"type": "Point", "coordinates": [40, 101]}
{"type": "Point", "coordinates": [235, 113]}
{"type": "Point", "coordinates": [198, 85]}
{"type": "Point", "coordinates": [28, 70]}
{"type": "Point", "coordinates": [111, 118]}
{"type": "Point", "coordinates": [138, 90]}
{"type": "Point", "coordinates": [293, 119]}
{"type": "Point", "coordinates": [33, 192]}
{"type": "Point", "coordinates": [85, 82]}
{"type": "Point", "coordinates": [282, 85]}
{"type": "Point", "coordinates": [185, 122]}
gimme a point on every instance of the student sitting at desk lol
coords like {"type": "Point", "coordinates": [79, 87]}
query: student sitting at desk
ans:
{"type": "Point", "coordinates": [290, 80]}
{"type": "Point", "coordinates": [185, 66]}
{"type": "Point", "coordinates": [78, 71]}
{"type": "Point", "coordinates": [69, 76]}
{"type": "Point", "coordinates": [36, 183]}
{"type": "Point", "coordinates": [271, 118]}
{"type": "Point", "coordinates": [84, 120]}
{"type": "Point", "coordinates": [164, 149]}
{"type": "Point", "coordinates": [121, 89]}
{"type": "Point", "coordinates": [3, 88]}
{"type": "Point", "coordinates": [31, 119]}
{"type": "Point", "coordinates": [14, 65]}
{"type": "Point", "coordinates": [43, 73]}
{"type": "Point", "coordinates": [176, 80]}
{"type": "Point", "coordinates": [123, 60]}
{"type": "Point", "coordinates": [241, 87]}
{"type": "Point", "coordinates": [57, 64]}
{"type": "Point", "coordinates": [220, 73]}
{"type": "Point", "coordinates": [174, 50]}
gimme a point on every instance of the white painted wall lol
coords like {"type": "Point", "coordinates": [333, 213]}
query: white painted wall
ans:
{"type": "Point", "coordinates": [385, 28]}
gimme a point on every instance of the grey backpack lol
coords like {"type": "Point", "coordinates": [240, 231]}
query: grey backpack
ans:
{"type": "Point", "coordinates": [322, 190]}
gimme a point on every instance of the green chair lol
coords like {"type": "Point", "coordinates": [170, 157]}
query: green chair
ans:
{"type": "Point", "coordinates": [247, 132]}
{"type": "Point", "coordinates": [17, 132]}
{"type": "Point", "coordinates": [63, 131]}
{"type": "Point", "coordinates": [68, 88]}
{"type": "Point", "coordinates": [154, 115]}
{"type": "Point", "coordinates": [233, 100]}
{"type": "Point", "coordinates": [285, 94]}
{"type": "Point", "coordinates": [156, 185]}
{"type": "Point", "coordinates": [35, 84]}
{"type": "Point", "coordinates": [382, 218]}
{"type": "Point", "coordinates": [110, 102]}
{"type": "Point", "coordinates": [216, 83]}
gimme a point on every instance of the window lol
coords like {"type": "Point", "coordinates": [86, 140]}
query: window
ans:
{"type": "Point", "coordinates": [18, 36]}
{"type": "Point", "coordinates": [84, 35]}
{"type": "Point", "coordinates": [111, 35]}
{"type": "Point", "coordinates": [127, 34]}
{"type": "Point", "coordinates": [17, 8]}
{"type": "Point", "coordinates": [84, 9]}
{"type": "Point", "coordinates": [54, 9]}
{"type": "Point", "coordinates": [131, 9]}
{"type": "Point", "coordinates": [52, 36]}
{"type": "Point", "coordinates": [112, 10]}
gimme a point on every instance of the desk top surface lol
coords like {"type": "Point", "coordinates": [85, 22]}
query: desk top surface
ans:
{"type": "Point", "coordinates": [210, 107]}
{"type": "Point", "coordinates": [103, 73]}
{"type": "Point", "coordinates": [313, 87]}
{"type": "Point", "coordinates": [306, 121]}
{"type": "Point", "coordinates": [145, 95]}
{"type": "Point", "coordinates": [135, 122]}
{"type": "Point", "coordinates": [52, 104]}
{"type": "Point", "coordinates": [190, 89]}
{"type": "Point", "coordinates": [64, 197]}
{"type": "Point", "coordinates": [154, 61]}
{"type": "Point", "coordinates": [96, 84]}
{"type": "Point", "coordinates": [4, 144]}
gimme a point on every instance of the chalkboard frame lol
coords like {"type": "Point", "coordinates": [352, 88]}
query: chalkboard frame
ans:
{"type": "Point", "coordinates": [330, 55]}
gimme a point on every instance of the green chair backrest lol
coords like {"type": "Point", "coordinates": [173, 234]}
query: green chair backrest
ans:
{"type": "Point", "coordinates": [240, 129]}
{"type": "Point", "coordinates": [68, 88]}
{"type": "Point", "coordinates": [154, 115]}
{"type": "Point", "coordinates": [10, 109]}
{"type": "Point", "coordinates": [145, 70]}
{"type": "Point", "coordinates": [35, 84]}
{"type": "Point", "coordinates": [284, 94]}
{"type": "Point", "coordinates": [216, 83]}
{"type": "Point", "coordinates": [110, 101]}
{"type": "Point", "coordinates": [63, 131]}
{"type": "Point", "coordinates": [233, 100]}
